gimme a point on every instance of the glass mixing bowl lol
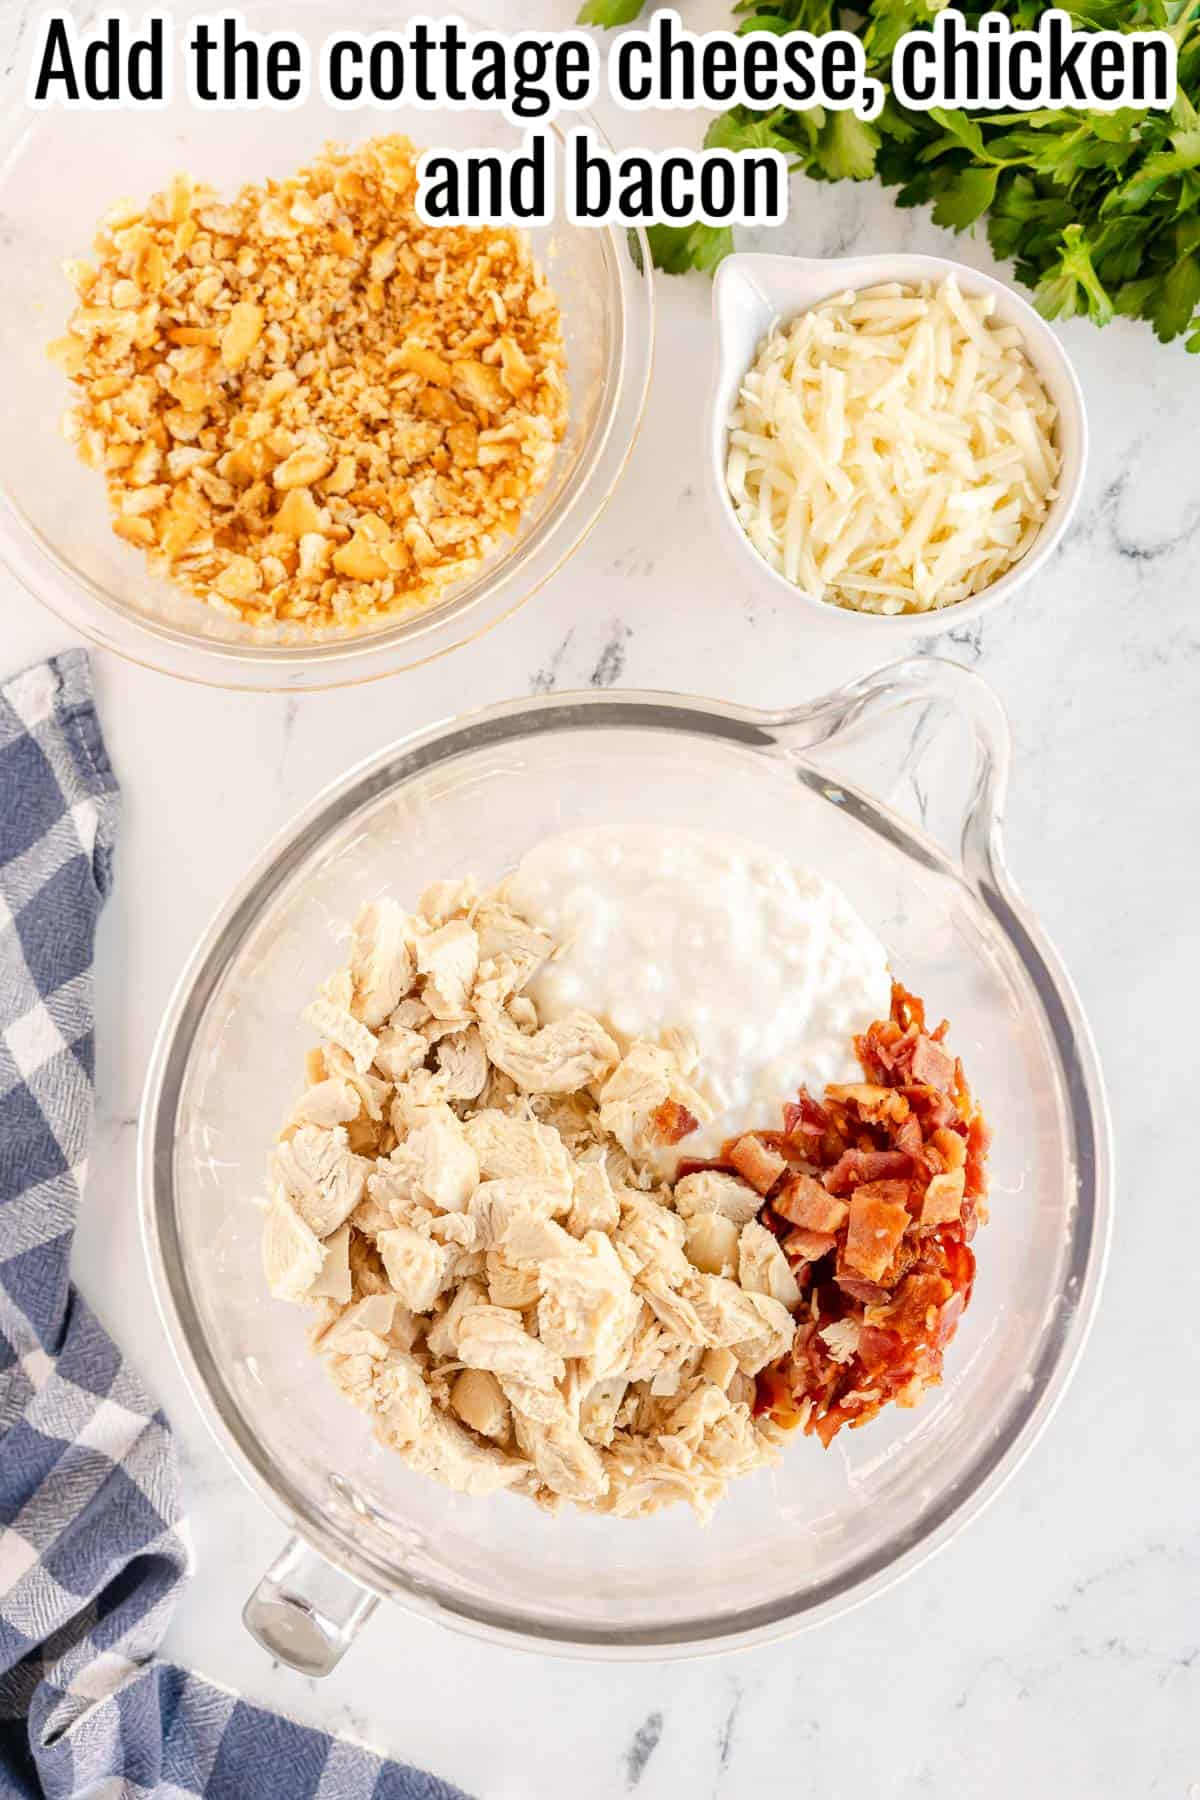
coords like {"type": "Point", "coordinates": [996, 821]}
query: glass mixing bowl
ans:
{"type": "Point", "coordinates": [55, 533]}
{"type": "Point", "coordinates": [787, 1547]}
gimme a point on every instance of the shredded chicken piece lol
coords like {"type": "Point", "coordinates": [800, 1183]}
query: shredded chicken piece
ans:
{"type": "Point", "coordinates": [473, 1204]}
{"type": "Point", "coordinates": [559, 1059]}
{"type": "Point", "coordinates": [321, 1176]}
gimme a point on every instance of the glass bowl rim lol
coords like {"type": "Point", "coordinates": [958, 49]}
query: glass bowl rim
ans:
{"type": "Point", "coordinates": [1069, 1037]}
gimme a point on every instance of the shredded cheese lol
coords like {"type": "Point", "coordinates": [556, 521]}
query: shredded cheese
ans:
{"type": "Point", "coordinates": [893, 451]}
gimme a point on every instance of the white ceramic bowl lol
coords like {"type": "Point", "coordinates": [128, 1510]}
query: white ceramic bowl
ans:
{"type": "Point", "coordinates": [751, 293]}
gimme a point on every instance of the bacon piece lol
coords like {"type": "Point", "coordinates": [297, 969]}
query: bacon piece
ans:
{"type": "Point", "coordinates": [930, 1066]}
{"type": "Point", "coordinates": [916, 1305]}
{"type": "Point", "coordinates": [805, 1117]}
{"type": "Point", "coordinates": [805, 1202]}
{"type": "Point", "coordinates": [673, 1121]}
{"type": "Point", "coordinates": [950, 1149]}
{"type": "Point", "coordinates": [943, 1200]}
{"type": "Point", "coordinates": [979, 1141]}
{"type": "Point", "coordinates": [932, 1107]}
{"type": "Point", "coordinates": [872, 1102]}
{"type": "Point", "coordinates": [948, 1319]}
{"type": "Point", "coordinates": [757, 1163]}
{"type": "Point", "coordinates": [867, 1293]}
{"type": "Point", "coordinates": [960, 1264]}
{"type": "Point", "coordinates": [854, 1167]}
{"type": "Point", "coordinates": [907, 1009]}
{"type": "Point", "coordinates": [809, 1246]}
{"type": "Point", "coordinates": [878, 1219]}
{"type": "Point", "coordinates": [907, 1148]}
{"type": "Point", "coordinates": [910, 1138]}
{"type": "Point", "coordinates": [879, 1348]}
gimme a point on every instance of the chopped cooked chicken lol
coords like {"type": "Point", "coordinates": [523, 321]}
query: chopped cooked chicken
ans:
{"type": "Point", "coordinates": [321, 1176]}
{"type": "Point", "coordinates": [402, 1403]}
{"type": "Point", "coordinates": [762, 1266]}
{"type": "Point", "coordinates": [712, 1191]}
{"type": "Point", "coordinates": [530, 1237]}
{"type": "Point", "coordinates": [361, 1329]}
{"type": "Point", "coordinates": [478, 1399]}
{"type": "Point", "coordinates": [510, 1285]}
{"type": "Point", "coordinates": [595, 1206]}
{"type": "Point", "coordinates": [442, 901]}
{"type": "Point", "coordinates": [416, 1266]}
{"type": "Point", "coordinates": [334, 1282]}
{"type": "Point", "coordinates": [588, 1308]}
{"type": "Point", "coordinates": [599, 1407]}
{"type": "Point", "coordinates": [338, 1024]}
{"type": "Point", "coordinates": [449, 1168]}
{"type": "Point", "coordinates": [508, 1145]}
{"type": "Point", "coordinates": [447, 959]}
{"type": "Point", "coordinates": [504, 933]}
{"type": "Point", "coordinates": [400, 1051]}
{"type": "Point", "coordinates": [562, 1456]}
{"type": "Point", "coordinates": [561, 1058]}
{"type": "Point", "coordinates": [292, 1253]}
{"type": "Point", "coordinates": [712, 1243]}
{"type": "Point", "coordinates": [383, 960]}
{"type": "Point", "coordinates": [495, 1338]}
{"type": "Point", "coordinates": [646, 1081]}
{"type": "Point", "coordinates": [653, 1234]}
{"type": "Point", "coordinates": [448, 1452]}
{"type": "Point", "coordinates": [495, 1204]}
{"type": "Point", "coordinates": [442, 1337]}
{"type": "Point", "coordinates": [327, 1103]}
{"type": "Point", "coordinates": [461, 1066]}
{"type": "Point", "coordinates": [373, 1090]}
{"type": "Point", "coordinates": [472, 1203]}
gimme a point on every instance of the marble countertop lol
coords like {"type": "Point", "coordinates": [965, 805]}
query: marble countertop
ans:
{"type": "Point", "coordinates": [1052, 1649]}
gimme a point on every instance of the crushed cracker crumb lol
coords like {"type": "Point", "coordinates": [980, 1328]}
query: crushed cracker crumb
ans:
{"type": "Point", "coordinates": [307, 404]}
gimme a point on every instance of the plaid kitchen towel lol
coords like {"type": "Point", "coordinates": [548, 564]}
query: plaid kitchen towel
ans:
{"type": "Point", "coordinates": [93, 1546]}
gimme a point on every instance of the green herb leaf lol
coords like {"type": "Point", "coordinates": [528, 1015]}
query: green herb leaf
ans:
{"type": "Point", "coordinates": [679, 247]}
{"type": "Point", "coordinates": [743, 130]}
{"type": "Point", "coordinates": [1073, 286]}
{"type": "Point", "coordinates": [972, 193]}
{"type": "Point", "coordinates": [608, 12]}
{"type": "Point", "coordinates": [1171, 307]}
{"type": "Point", "coordinates": [846, 147]}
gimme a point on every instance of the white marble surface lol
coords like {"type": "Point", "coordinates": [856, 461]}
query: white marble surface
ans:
{"type": "Point", "coordinates": [1054, 1649]}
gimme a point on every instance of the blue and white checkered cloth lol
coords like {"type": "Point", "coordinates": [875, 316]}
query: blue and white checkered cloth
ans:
{"type": "Point", "coordinates": [93, 1546]}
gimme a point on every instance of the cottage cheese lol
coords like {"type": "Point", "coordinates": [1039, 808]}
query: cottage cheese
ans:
{"type": "Point", "coordinates": [767, 965]}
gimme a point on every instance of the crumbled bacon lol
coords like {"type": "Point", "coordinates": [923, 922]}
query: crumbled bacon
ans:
{"type": "Point", "coordinates": [931, 1066]}
{"type": "Point", "coordinates": [804, 1118]}
{"type": "Point", "coordinates": [804, 1201]}
{"type": "Point", "coordinates": [809, 1246]}
{"type": "Point", "coordinates": [878, 1220]}
{"type": "Point", "coordinates": [672, 1121]}
{"type": "Point", "coordinates": [885, 1186]}
{"type": "Point", "coordinates": [757, 1163]}
{"type": "Point", "coordinates": [854, 1167]}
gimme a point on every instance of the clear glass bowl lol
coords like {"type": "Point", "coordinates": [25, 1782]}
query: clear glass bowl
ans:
{"type": "Point", "coordinates": [787, 1547]}
{"type": "Point", "coordinates": [55, 533]}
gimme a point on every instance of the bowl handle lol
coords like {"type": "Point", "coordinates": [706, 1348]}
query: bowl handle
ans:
{"type": "Point", "coordinates": [935, 691]}
{"type": "Point", "coordinates": [306, 1613]}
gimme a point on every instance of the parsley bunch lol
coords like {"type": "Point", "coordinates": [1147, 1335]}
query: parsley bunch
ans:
{"type": "Point", "coordinates": [1099, 211]}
